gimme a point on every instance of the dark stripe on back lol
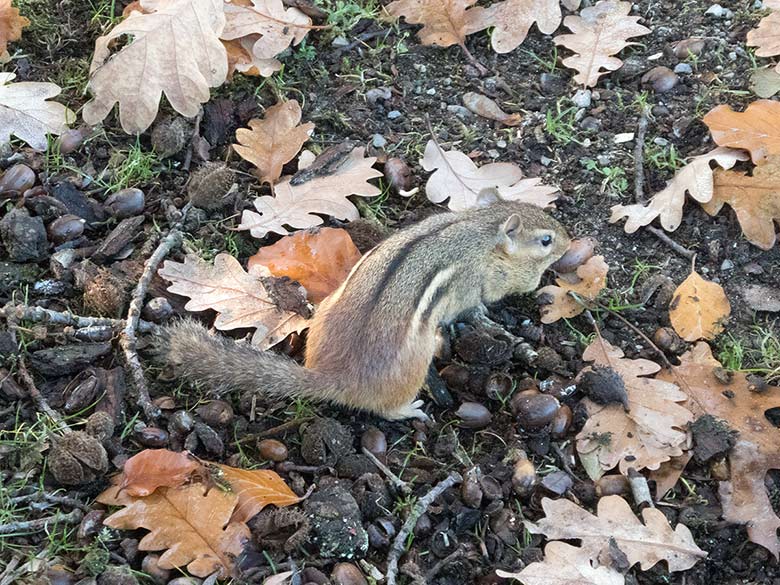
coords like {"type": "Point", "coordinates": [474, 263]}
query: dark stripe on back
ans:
{"type": "Point", "coordinates": [436, 299]}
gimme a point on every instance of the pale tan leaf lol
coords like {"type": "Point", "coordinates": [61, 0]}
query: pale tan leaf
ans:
{"type": "Point", "coordinates": [695, 178]}
{"type": "Point", "coordinates": [512, 19]}
{"type": "Point", "coordinates": [175, 50]}
{"type": "Point", "coordinates": [755, 200]}
{"type": "Point", "coordinates": [11, 25]}
{"type": "Point", "coordinates": [279, 579]}
{"type": "Point", "coordinates": [277, 26]}
{"type": "Point", "coordinates": [592, 277]}
{"type": "Point", "coordinates": [566, 565]}
{"type": "Point", "coordinates": [445, 21]}
{"type": "Point", "coordinates": [745, 497]}
{"type": "Point", "coordinates": [757, 129]}
{"type": "Point", "coordinates": [241, 58]}
{"type": "Point", "coordinates": [26, 113]}
{"type": "Point", "coordinates": [457, 177]}
{"type": "Point", "coordinates": [650, 432]}
{"type": "Point", "coordinates": [191, 523]}
{"type": "Point", "coordinates": [765, 82]}
{"type": "Point", "coordinates": [646, 544]}
{"type": "Point", "coordinates": [274, 140]}
{"type": "Point", "coordinates": [298, 205]}
{"type": "Point", "coordinates": [766, 36]}
{"type": "Point", "coordinates": [256, 489]}
{"type": "Point", "coordinates": [241, 298]}
{"type": "Point", "coordinates": [599, 33]}
{"type": "Point", "coordinates": [699, 308]}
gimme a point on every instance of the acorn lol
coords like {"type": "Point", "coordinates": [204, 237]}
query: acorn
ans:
{"type": "Point", "coordinates": [347, 574]}
{"type": "Point", "coordinates": [470, 490]}
{"type": "Point", "coordinates": [216, 413]}
{"type": "Point", "coordinates": [157, 310]}
{"type": "Point", "coordinates": [154, 437]}
{"type": "Point", "coordinates": [474, 415]}
{"type": "Point", "coordinates": [498, 386]}
{"type": "Point", "coordinates": [524, 476]}
{"type": "Point", "coordinates": [272, 450]}
{"type": "Point", "coordinates": [455, 376]}
{"type": "Point", "coordinates": [398, 174]}
{"type": "Point", "coordinates": [375, 442]}
{"type": "Point", "coordinates": [534, 409]}
{"type": "Point", "coordinates": [209, 185]}
{"type": "Point", "coordinates": [17, 178]}
{"type": "Point", "coordinates": [65, 228]}
{"type": "Point", "coordinates": [662, 79]}
{"type": "Point", "coordinates": [561, 422]}
{"type": "Point", "coordinates": [612, 485]}
{"type": "Point", "coordinates": [71, 140]}
{"type": "Point", "coordinates": [169, 137]}
{"type": "Point", "coordinates": [667, 339]}
{"type": "Point", "coordinates": [126, 203]}
{"type": "Point", "coordinates": [579, 252]}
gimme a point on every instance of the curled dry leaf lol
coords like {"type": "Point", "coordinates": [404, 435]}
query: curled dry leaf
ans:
{"type": "Point", "coordinates": [650, 432]}
{"type": "Point", "coordinates": [699, 308]}
{"type": "Point", "coordinates": [745, 497]}
{"type": "Point", "coordinates": [241, 58]}
{"type": "Point", "coordinates": [756, 130]}
{"type": "Point", "coordinates": [755, 199]}
{"type": "Point", "coordinates": [175, 50]}
{"type": "Point", "coordinates": [599, 32]}
{"type": "Point", "coordinates": [695, 178]}
{"type": "Point", "coordinates": [274, 140]}
{"type": "Point", "coordinates": [191, 522]}
{"type": "Point", "coordinates": [320, 259]}
{"type": "Point", "coordinates": [487, 108]}
{"type": "Point", "coordinates": [255, 490]}
{"type": "Point", "coordinates": [11, 25]}
{"type": "Point", "coordinates": [26, 113]}
{"type": "Point", "coordinates": [153, 468]}
{"type": "Point", "coordinates": [457, 177]}
{"type": "Point", "coordinates": [297, 205]}
{"type": "Point", "coordinates": [766, 36]}
{"type": "Point", "coordinates": [512, 19]}
{"type": "Point", "coordinates": [588, 282]}
{"type": "Point", "coordinates": [564, 563]}
{"type": "Point", "coordinates": [646, 544]}
{"type": "Point", "coordinates": [242, 299]}
{"type": "Point", "coordinates": [444, 21]}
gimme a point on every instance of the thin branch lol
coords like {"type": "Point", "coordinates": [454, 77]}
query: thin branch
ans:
{"type": "Point", "coordinates": [26, 526]}
{"type": "Point", "coordinates": [41, 315]}
{"type": "Point", "coordinates": [394, 479]}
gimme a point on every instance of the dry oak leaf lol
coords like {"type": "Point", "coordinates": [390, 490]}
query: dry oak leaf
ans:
{"type": "Point", "coordinates": [695, 178]}
{"type": "Point", "coordinates": [745, 497]}
{"type": "Point", "coordinates": [298, 205]}
{"type": "Point", "coordinates": [756, 130]}
{"type": "Point", "coordinates": [646, 544]}
{"type": "Point", "coordinates": [241, 298]}
{"type": "Point", "coordinates": [755, 199]}
{"type": "Point", "coordinates": [26, 113]}
{"type": "Point", "coordinates": [512, 19]}
{"type": "Point", "coordinates": [589, 281]}
{"type": "Point", "coordinates": [457, 177]}
{"type": "Point", "coordinates": [191, 522]}
{"type": "Point", "coordinates": [765, 82]}
{"type": "Point", "coordinates": [599, 32]}
{"type": "Point", "coordinates": [698, 308]}
{"type": "Point", "coordinates": [241, 58]}
{"type": "Point", "coordinates": [255, 490]}
{"type": "Point", "coordinates": [444, 22]}
{"type": "Point", "coordinates": [319, 259]}
{"type": "Point", "coordinates": [274, 140]}
{"type": "Point", "coordinates": [766, 36]}
{"type": "Point", "coordinates": [153, 468]}
{"type": "Point", "coordinates": [567, 565]}
{"type": "Point", "coordinates": [11, 25]}
{"type": "Point", "coordinates": [652, 431]}
{"type": "Point", "coordinates": [175, 51]}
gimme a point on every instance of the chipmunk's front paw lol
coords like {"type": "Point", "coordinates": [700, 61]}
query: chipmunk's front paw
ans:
{"type": "Point", "coordinates": [411, 410]}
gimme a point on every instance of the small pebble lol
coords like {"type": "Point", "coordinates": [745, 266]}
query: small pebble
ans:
{"type": "Point", "coordinates": [394, 115]}
{"type": "Point", "coordinates": [590, 123]}
{"type": "Point", "coordinates": [660, 141]}
{"type": "Point", "coordinates": [431, 91]}
{"type": "Point", "coordinates": [753, 268]}
{"type": "Point", "coordinates": [460, 111]}
{"type": "Point", "coordinates": [582, 98]}
{"type": "Point", "coordinates": [420, 67]}
{"type": "Point", "coordinates": [683, 68]}
{"type": "Point", "coordinates": [715, 10]}
{"type": "Point", "coordinates": [378, 93]}
{"type": "Point", "coordinates": [727, 265]}
{"type": "Point", "coordinates": [493, 153]}
{"type": "Point", "coordinates": [501, 143]}
{"type": "Point", "coordinates": [339, 42]}
{"type": "Point", "coordinates": [379, 141]}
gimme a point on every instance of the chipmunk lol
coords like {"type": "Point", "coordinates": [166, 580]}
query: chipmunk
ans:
{"type": "Point", "coordinates": [371, 342]}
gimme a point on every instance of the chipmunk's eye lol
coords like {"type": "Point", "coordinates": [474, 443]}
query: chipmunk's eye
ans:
{"type": "Point", "coordinates": [546, 240]}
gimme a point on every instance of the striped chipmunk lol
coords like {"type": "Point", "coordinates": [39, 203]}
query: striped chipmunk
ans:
{"type": "Point", "coordinates": [371, 342]}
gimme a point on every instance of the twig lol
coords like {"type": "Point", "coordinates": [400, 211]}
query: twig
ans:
{"type": "Point", "coordinates": [638, 331]}
{"type": "Point", "coordinates": [422, 505]}
{"type": "Point", "coordinates": [9, 574]}
{"type": "Point", "coordinates": [41, 315]}
{"type": "Point", "coordinates": [664, 237]}
{"type": "Point", "coordinates": [394, 479]}
{"type": "Point", "coordinates": [639, 489]}
{"type": "Point", "coordinates": [564, 463]}
{"type": "Point", "coordinates": [290, 425]}
{"type": "Point", "coordinates": [127, 338]}
{"type": "Point", "coordinates": [72, 517]}
{"type": "Point", "coordinates": [193, 136]}
{"type": "Point", "coordinates": [458, 553]}
{"type": "Point", "coordinates": [474, 61]}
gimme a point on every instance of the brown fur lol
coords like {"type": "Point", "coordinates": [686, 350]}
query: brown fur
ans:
{"type": "Point", "coordinates": [371, 342]}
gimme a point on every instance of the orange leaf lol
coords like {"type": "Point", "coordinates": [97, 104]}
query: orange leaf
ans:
{"type": "Point", "coordinates": [757, 129]}
{"type": "Point", "coordinates": [592, 278]}
{"type": "Point", "coordinates": [256, 489]}
{"type": "Point", "coordinates": [445, 22]}
{"type": "Point", "coordinates": [153, 468]}
{"type": "Point", "coordinates": [698, 308]}
{"type": "Point", "coordinates": [319, 259]}
{"type": "Point", "coordinates": [11, 25]}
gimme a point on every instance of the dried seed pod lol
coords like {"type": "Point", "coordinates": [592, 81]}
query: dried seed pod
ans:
{"type": "Point", "coordinates": [561, 422]}
{"type": "Point", "coordinates": [272, 450]}
{"type": "Point", "coordinates": [524, 476]}
{"type": "Point", "coordinates": [719, 469]}
{"type": "Point", "coordinates": [17, 178]}
{"type": "Point", "coordinates": [579, 252]}
{"type": "Point", "coordinates": [455, 375]}
{"type": "Point", "coordinates": [104, 294]}
{"type": "Point", "coordinates": [667, 339]}
{"type": "Point", "coordinates": [169, 137]}
{"type": "Point", "coordinates": [374, 441]}
{"type": "Point", "coordinates": [612, 485]}
{"type": "Point", "coordinates": [603, 385]}
{"type": "Point", "coordinates": [209, 186]}
{"type": "Point", "coordinates": [66, 228]}
{"type": "Point", "coordinates": [534, 409]}
{"type": "Point", "coordinates": [474, 415]}
{"type": "Point", "coordinates": [498, 386]}
{"type": "Point", "coordinates": [100, 425]}
{"type": "Point", "coordinates": [76, 458]}
{"type": "Point", "coordinates": [662, 79]}
{"type": "Point", "coordinates": [126, 203]}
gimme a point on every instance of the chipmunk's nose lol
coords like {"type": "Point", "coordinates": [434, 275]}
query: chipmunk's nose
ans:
{"type": "Point", "coordinates": [578, 252]}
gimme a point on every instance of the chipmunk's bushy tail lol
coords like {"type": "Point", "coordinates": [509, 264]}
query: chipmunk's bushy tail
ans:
{"type": "Point", "coordinates": [224, 365]}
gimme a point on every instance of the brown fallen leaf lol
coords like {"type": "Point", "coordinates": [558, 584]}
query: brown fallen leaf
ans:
{"type": "Point", "coordinates": [26, 113]}
{"type": "Point", "coordinates": [487, 108]}
{"type": "Point", "coordinates": [458, 179]}
{"type": "Point", "coordinates": [175, 50]}
{"type": "Point", "coordinates": [241, 58]}
{"type": "Point", "coordinates": [191, 522]}
{"type": "Point", "coordinates": [588, 282]}
{"type": "Point", "coordinates": [651, 431]}
{"type": "Point", "coordinates": [755, 200]}
{"type": "Point", "coordinates": [153, 468]}
{"type": "Point", "coordinates": [646, 544]}
{"type": "Point", "coordinates": [512, 19]}
{"type": "Point", "coordinates": [599, 33]}
{"type": "Point", "coordinates": [695, 178]}
{"type": "Point", "coordinates": [256, 489]}
{"type": "Point", "coordinates": [444, 21]}
{"type": "Point", "coordinates": [565, 564]}
{"type": "Point", "coordinates": [698, 308]}
{"type": "Point", "coordinates": [756, 130]}
{"type": "Point", "coordinates": [298, 205]}
{"type": "Point", "coordinates": [274, 140]}
{"type": "Point", "coordinates": [242, 299]}
{"type": "Point", "coordinates": [766, 36]}
{"type": "Point", "coordinates": [320, 259]}
{"type": "Point", "coordinates": [745, 498]}
{"type": "Point", "coordinates": [11, 25]}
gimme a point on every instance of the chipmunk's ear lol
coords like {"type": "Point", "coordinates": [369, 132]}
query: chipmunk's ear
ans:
{"type": "Point", "coordinates": [488, 196]}
{"type": "Point", "coordinates": [507, 234]}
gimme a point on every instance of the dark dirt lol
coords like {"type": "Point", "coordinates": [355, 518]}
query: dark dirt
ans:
{"type": "Point", "coordinates": [471, 530]}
